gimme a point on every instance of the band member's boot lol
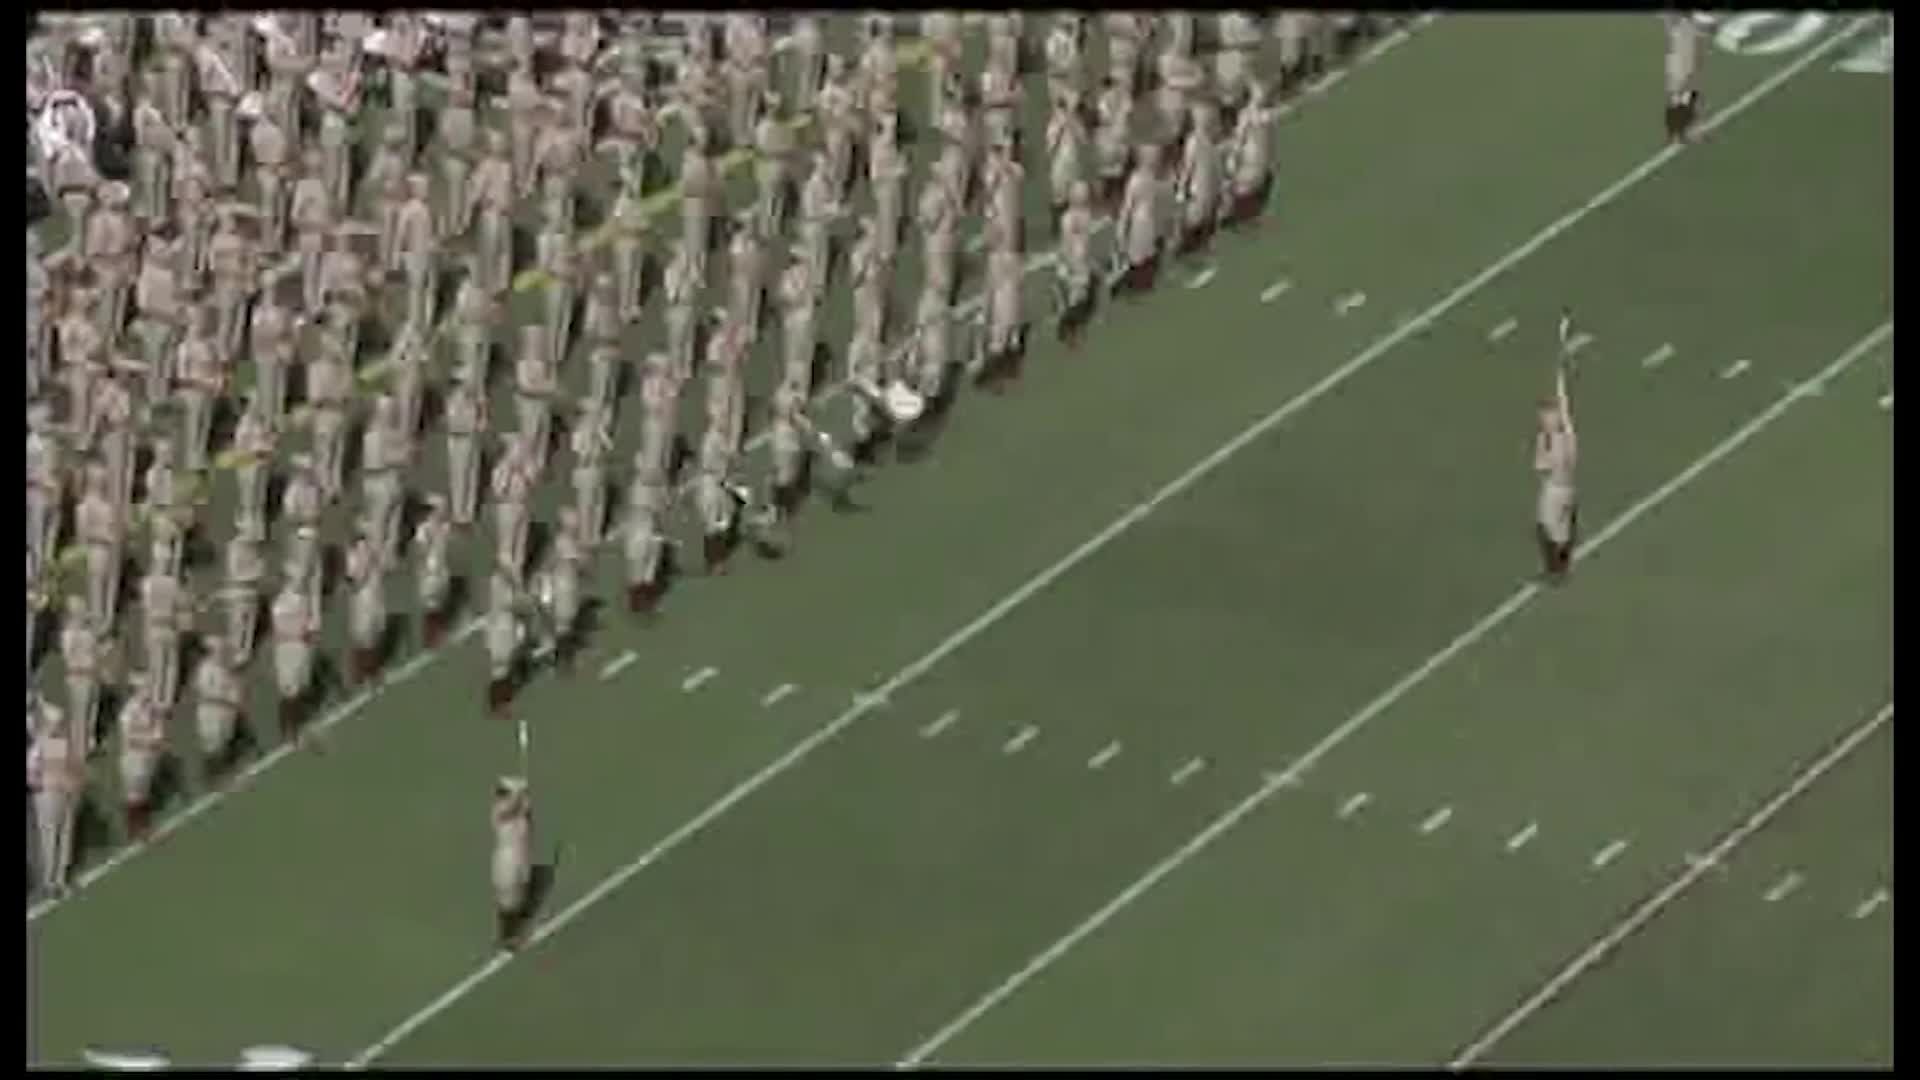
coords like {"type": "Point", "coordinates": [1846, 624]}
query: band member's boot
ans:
{"type": "Point", "coordinates": [139, 817]}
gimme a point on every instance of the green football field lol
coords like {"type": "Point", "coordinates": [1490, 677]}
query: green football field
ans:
{"type": "Point", "coordinates": [1195, 701]}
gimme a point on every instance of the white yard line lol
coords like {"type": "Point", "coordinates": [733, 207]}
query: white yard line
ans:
{"type": "Point", "coordinates": [1186, 772]}
{"type": "Point", "coordinates": [698, 679]}
{"type": "Point", "coordinates": [213, 798]}
{"type": "Point", "coordinates": [1350, 302]}
{"type": "Point", "coordinates": [778, 694]}
{"type": "Point", "coordinates": [1327, 82]}
{"type": "Point", "coordinates": [1736, 369]}
{"type": "Point", "coordinates": [1523, 837]}
{"type": "Point", "coordinates": [1871, 904]}
{"type": "Point", "coordinates": [1685, 880]}
{"type": "Point", "coordinates": [987, 619]}
{"type": "Point", "coordinates": [1607, 854]}
{"type": "Point", "coordinates": [1203, 278]}
{"type": "Point", "coordinates": [1785, 887]}
{"type": "Point", "coordinates": [1107, 753]}
{"type": "Point", "coordinates": [1436, 821]}
{"type": "Point", "coordinates": [1274, 783]}
{"type": "Point", "coordinates": [1578, 343]}
{"type": "Point", "coordinates": [409, 669]}
{"type": "Point", "coordinates": [1658, 356]}
{"type": "Point", "coordinates": [941, 723]}
{"type": "Point", "coordinates": [1354, 804]}
{"type": "Point", "coordinates": [618, 664]}
{"type": "Point", "coordinates": [1020, 740]}
{"type": "Point", "coordinates": [1503, 330]}
{"type": "Point", "coordinates": [1275, 291]}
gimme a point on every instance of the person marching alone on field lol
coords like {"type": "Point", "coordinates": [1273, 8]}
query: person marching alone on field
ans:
{"type": "Point", "coordinates": [512, 819]}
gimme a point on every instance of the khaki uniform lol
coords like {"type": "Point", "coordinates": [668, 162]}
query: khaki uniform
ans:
{"type": "Point", "coordinates": [512, 484]}
{"type": "Point", "coordinates": [1683, 53]}
{"type": "Point", "coordinates": [633, 134]}
{"type": "Point", "coordinates": [660, 403]}
{"type": "Point", "coordinates": [698, 194]}
{"type": "Point", "coordinates": [629, 259]}
{"type": "Point", "coordinates": [601, 325]}
{"type": "Point", "coordinates": [798, 333]}
{"type": "Point", "coordinates": [1076, 263]}
{"type": "Point", "coordinates": [933, 333]}
{"type": "Point", "coordinates": [1112, 145]}
{"type": "Point", "coordinates": [82, 653]}
{"type": "Point", "coordinates": [434, 578]}
{"type": "Point", "coordinates": [863, 369]}
{"type": "Point", "coordinates": [557, 259]}
{"type": "Point", "coordinates": [111, 435]}
{"type": "Point", "coordinates": [386, 181]}
{"type": "Point", "coordinates": [272, 159]}
{"type": "Point", "coordinates": [1199, 180]}
{"type": "Point", "coordinates": [887, 177]}
{"type": "Point", "coordinates": [775, 143]}
{"type": "Point", "coordinates": [380, 471]}
{"type": "Point", "coordinates": [466, 422]}
{"type": "Point", "coordinates": [203, 378]}
{"type": "Point", "coordinates": [746, 268]}
{"type": "Point", "coordinates": [819, 206]}
{"type": "Point", "coordinates": [939, 217]}
{"type": "Point", "coordinates": [218, 693]}
{"type": "Point", "coordinates": [56, 773]}
{"type": "Point", "coordinates": [152, 162]}
{"type": "Point", "coordinates": [110, 243]}
{"type": "Point", "coordinates": [99, 523]}
{"type": "Point", "coordinates": [534, 384]}
{"type": "Point", "coordinates": [512, 866]}
{"type": "Point", "coordinates": [490, 196]}
{"type": "Point", "coordinates": [336, 168]}
{"type": "Point", "coordinates": [246, 568]}
{"type": "Point", "coordinates": [296, 627]}
{"type": "Point", "coordinates": [726, 390]}
{"type": "Point", "coordinates": [415, 253]}
{"type": "Point", "coordinates": [80, 350]}
{"type": "Point", "coordinates": [329, 385]}
{"type": "Point", "coordinates": [561, 581]}
{"type": "Point", "coordinates": [1006, 328]}
{"type": "Point", "coordinates": [1555, 453]}
{"type": "Point", "coordinates": [271, 339]}
{"type": "Point", "coordinates": [591, 441]}
{"type": "Point", "coordinates": [407, 384]}
{"type": "Point", "coordinates": [473, 313]}
{"type": "Point", "coordinates": [253, 443]}
{"type": "Point", "coordinates": [680, 287]}
{"type": "Point", "coordinates": [44, 483]}
{"type": "Point", "coordinates": [459, 139]}
{"type": "Point", "coordinates": [839, 124]}
{"type": "Point", "coordinates": [1251, 168]}
{"type": "Point", "coordinates": [505, 635]}
{"type": "Point", "coordinates": [1140, 218]}
{"type": "Point", "coordinates": [1065, 169]}
{"type": "Point", "coordinates": [808, 51]}
{"type": "Point", "coordinates": [641, 537]}
{"type": "Point", "coordinates": [143, 742]}
{"type": "Point", "coordinates": [367, 612]}
{"type": "Point", "coordinates": [524, 106]}
{"type": "Point", "coordinates": [166, 610]}
{"type": "Point", "coordinates": [312, 213]}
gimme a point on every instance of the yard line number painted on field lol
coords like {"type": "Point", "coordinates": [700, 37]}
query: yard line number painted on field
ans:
{"type": "Point", "coordinates": [1770, 33]}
